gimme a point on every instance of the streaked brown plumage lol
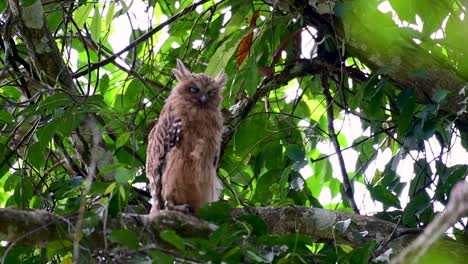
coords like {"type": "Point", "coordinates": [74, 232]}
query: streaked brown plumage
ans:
{"type": "Point", "coordinates": [183, 146]}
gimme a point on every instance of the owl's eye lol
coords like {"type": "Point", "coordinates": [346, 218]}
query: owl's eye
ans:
{"type": "Point", "coordinates": [211, 93]}
{"type": "Point", "coordinates": [194, 89]}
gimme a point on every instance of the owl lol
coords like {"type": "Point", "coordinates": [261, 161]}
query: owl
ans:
{"type": "Point", "coordinates": [183, 146]}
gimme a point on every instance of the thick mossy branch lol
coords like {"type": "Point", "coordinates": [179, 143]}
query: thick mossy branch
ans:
{"type": "Point", "coordinates": [30, 227]}
{"type": "Point", "coordinates": [35, 227]}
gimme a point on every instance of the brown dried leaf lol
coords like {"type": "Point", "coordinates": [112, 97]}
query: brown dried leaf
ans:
{"type": "Point", "coordinates": [246, 42]}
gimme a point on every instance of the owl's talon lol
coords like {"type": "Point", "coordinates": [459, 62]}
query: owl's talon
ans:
{"type": "Point", "coordinates": [183, 208]}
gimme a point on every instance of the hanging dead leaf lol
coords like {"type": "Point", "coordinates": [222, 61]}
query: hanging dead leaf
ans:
{"type": "Point", "coordinates": [246, 42]}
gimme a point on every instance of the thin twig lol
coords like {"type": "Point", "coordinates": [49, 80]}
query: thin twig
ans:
{"type": "Point", "coordinates": [334, 139]}
{"type": "Point", "coordinates": [89, 180]}
{"type": "Point", "coordinates": [6, 36]}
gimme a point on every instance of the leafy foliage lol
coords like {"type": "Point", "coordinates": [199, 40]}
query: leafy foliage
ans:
{"type": "Point", "coordinates": [120, 55]}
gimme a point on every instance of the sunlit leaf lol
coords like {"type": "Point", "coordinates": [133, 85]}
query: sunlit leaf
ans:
{"type": "Point", "coordinates": [95, 27]}
{"type": "Point", "coordinates": [81, 14]}
{"type": "Point", "coordinates": [110, 14]}
{"type": "Point", "coordinates": [224, 53]}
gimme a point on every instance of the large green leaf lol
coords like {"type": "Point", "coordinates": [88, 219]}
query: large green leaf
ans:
{"type": "Point", "coordinates": [95, 26]}
{"type": "Point", "coordinates": [224, 53]}
{"type": "Point", "coordinates": [125, 237]}
{"type": "Point", "coordinates": [383, 195]}
{"type": "Point", "coordinates": [249, 134]}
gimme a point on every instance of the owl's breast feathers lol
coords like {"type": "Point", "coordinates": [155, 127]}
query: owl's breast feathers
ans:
{"type": "Point", "coordinates": [201, 134]}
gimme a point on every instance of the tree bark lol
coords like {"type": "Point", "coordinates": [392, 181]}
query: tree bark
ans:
{"type": "Point", "coordinates": [37, 228]}
{"type": "Point", "coordinates": [48, 65]}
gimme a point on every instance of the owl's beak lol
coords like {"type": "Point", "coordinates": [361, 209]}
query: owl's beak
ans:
{"type": "Point", "coordinates": [203, 98]}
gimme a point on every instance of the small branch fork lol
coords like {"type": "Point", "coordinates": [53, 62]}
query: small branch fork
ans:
{"type": "Point", "coordinates": [334, 139]}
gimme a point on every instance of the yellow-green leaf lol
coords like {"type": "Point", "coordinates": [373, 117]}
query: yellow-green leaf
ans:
{"type": "Point", "coordinates": [96, 25]}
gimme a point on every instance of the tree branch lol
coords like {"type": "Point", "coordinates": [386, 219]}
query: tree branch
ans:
{"type": "Point", "coordinates": [36, 227]}
{"type": "Point", "coordinates": [300, 68]}
{"type": "Point", "coordinates": [348, 189]}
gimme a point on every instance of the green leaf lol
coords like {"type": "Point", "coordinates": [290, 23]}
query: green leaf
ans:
{"type": "Point", "coordinates": [26, 3]}
{"type": "Point", "coordinates": [422, 179]}
{"type": "Point", "coordinates": [2, 5]}
{"type": "Point", "coordinates": [405, 102]}
{"type": "Point", "coordinates": [223, 54]}
{"type": "Point", "coordinates": [244, 140]}
{"type": "Point", "coordinates": [161, 257]}
{"type": "Point", "coordinates": [233, 255]}
{"type": "Point", "coordinates": [273, 153]}
{"type": "Point", "coordinates": [383, 195]}
{"type": "Point", "coordinates": [439, 95]}
{"type": "Point", "coordinates": [125, 237]}
{"type": "Point", "coordinates": [367, 153]}
{"type": "Point", "coordinates": [294, 152]}
{"type": "Point", "coordinates": [251, 76]}
{"type": "Point", "coordinates": [117, 202]}
{"type": "Point", "coordinates": [124, 175]}
{"type": "Point", "coordinates": [253, 256]}
{"type": "Point", "coordinates": [23, 193]}
{"type": "Point", "coordinates": [96, 25]}
{"type": "Point", "coordinates": [122, 140]}
{"type": "Point", "coordinates": [322, 171]}
{"type": "Point", "coordinates": [172, 238]}
{"type": "Point", "coordinates": [55, 101]}
{"type": "Point", "coordinates": [217, 212]}
{"type": "Point", "coordinates": [81, 15]}
{"type": "Point", "coordinates": [104, 83]}
{"type": "Point", "coordinates": [415, 208]}
{"type": "Point", "coordinates": [363, 254]}
{"type": "Point", "coordinates": [263, 193]}
{"type": "Point", "coordinates": [240, 11]}
{"type": "Point", "coordinates": [259, 227]}
{"type": "Point", "coordinates": [102, 188]}
{"type": "Point", "coordinates": [110, 15]}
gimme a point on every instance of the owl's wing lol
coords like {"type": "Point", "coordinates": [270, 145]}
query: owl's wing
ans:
{"type": "Point", "coordinates": [216, 159]}
{"type": "Point", "coordinates": [164, 136]}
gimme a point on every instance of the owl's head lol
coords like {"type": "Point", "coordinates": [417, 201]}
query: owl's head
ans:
{"type": "Point", "coordinates": [198, 88]}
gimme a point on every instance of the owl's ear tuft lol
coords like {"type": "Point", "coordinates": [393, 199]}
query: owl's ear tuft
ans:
{"type": "Point", "coordinates": [181, 72]}
{"type": "Point", "coordinates": [221, 79]}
